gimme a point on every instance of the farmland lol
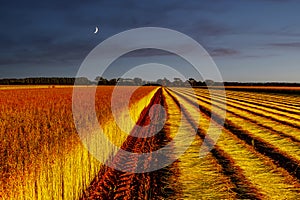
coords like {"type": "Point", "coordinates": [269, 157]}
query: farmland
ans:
{"type": "Point", "coordinates": [42, 156]}
{"type": "Point", "coordinates": [257, 154]}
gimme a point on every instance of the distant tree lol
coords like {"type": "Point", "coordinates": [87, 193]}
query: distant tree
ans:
{"type": "Point", "coordinates": [159, 82]}
{"type": "Point", "coordinates": [138, 81]}
{"type": "Point", "coordinates": [209, 82]}
{"type": "Point", "coordinates": [192, 82]}
{"type": "Point", "coordinates": [178, 82]}
{"type": "Point", "coordinates": [83, 81]}
{"type": "Point", "coordinates": [112, 81]}
{"type": "Point", "coordinates": [163, 82]}
{"type": "Point", "coordinates": [166, 82]}
{"type": "Point", "coordinates": [101, 81]}
{"type": "Point", "coordinates": [144, 82]}
{"type": "Point", "coordinates": [186, 83]}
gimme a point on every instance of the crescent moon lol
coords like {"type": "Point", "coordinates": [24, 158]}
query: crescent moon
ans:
{"type": "Point", "coordinates": [96, 30]}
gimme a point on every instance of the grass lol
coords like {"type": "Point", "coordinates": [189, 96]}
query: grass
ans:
{"type": "Point", "coordinates": [42, 156]}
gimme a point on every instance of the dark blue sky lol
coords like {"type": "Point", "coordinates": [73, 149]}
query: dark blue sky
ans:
{"type": "Point", "coordinates": [250, 40]}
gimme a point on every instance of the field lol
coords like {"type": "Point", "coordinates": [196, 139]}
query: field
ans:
{"type": "Point", "coordinates": [257, 156]}
{"type": "Point", "coordinates": [41, 154]}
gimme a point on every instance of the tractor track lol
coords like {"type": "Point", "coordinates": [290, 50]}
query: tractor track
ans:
{"type": "Point", "coordinates": [279, 158]}
{"type": "Point", "coordinates": [260, 124]}
{"type": "Point", "coordinates": [113, 184]}
{"type": "Point", "coordinates": [243, 187]}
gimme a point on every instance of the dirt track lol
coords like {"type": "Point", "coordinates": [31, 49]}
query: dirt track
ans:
{"type": "Point", "coordinates": [114, 184]}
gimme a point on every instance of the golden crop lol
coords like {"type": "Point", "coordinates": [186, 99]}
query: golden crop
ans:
{"type": "Point", "coordinates": [257, 156]}
{"type": "Point", "coordinates": [41, 155]}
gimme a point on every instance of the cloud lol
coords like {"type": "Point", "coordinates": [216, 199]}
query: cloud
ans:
{"type": "Point", "coordinates": [223, 52]}
{"type": "Point", "coordinates": [56, 34]}
{"type": "Point", "coordinates": [147, 52]}
{"type": "Point", "coordinates": [47, 52]}
{"type": "Point", "coordinates": [37, 30]}
{"type": "Point", "coordinates": [287, 44]}
{"type": "Point", "coordinates": [207, 27]}
{"type": "Point", "coordinates": [157, 52]}
{"type": "Point", "coordinates": [275, 1]}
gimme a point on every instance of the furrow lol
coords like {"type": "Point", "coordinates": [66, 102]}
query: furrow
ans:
{"type": "Point", "coordinates": [266, 102]}
{"type": "Point", "coordinates": [275, 116]}
{"type": "Point", "coordinates": [259, 163]}
{"type": "Point", "coordinates": [274, 127]}
{"type": "Point", "coordinates": [242, 186]}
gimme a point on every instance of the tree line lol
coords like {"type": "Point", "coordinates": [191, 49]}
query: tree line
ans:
{"type": "Point", "coordinates": [176, 82]}
{"type": "Point", "coordinates": [44, 81]}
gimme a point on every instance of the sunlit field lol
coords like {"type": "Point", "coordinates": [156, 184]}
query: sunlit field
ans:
{"type": "Point", "coordinates": [257, 156]}
{"type": "Point", "coordinates": [259, 147]}
{"type": "Point", "coordinates": [41, 154]}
